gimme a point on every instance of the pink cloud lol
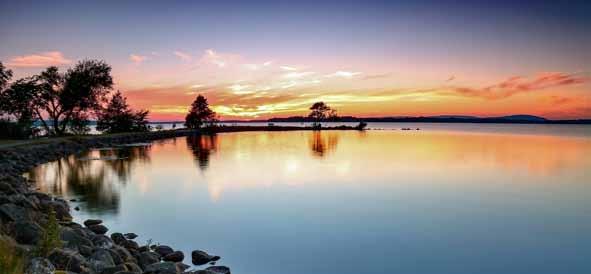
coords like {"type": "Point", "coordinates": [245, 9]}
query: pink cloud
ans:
{"type": "Point", "coordinates": [518, 84]}
{"type": "Point", "coordinates": [183, 55]}
{"type": "Point", "coordinates": [44, 59]}
{"type": "Point", "coordinates": [137, 58]}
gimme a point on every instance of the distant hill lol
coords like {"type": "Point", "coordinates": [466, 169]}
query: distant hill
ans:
{"type": "Point", "coordinates": [523, 117]}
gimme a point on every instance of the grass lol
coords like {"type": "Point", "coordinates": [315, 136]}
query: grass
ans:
{"type": "Point", "coordinates": [12, 261]}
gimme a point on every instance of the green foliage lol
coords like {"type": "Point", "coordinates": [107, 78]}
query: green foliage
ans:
{"type": "Point", "coordinates": [200, 114]}
{"type": "Point", "coordinates": [118, 117]}
{"type": "Point", "coordinates": [12, 261]}
{"type": "Point", "coordinates": [51, 236]}
{"type": "Point", "coordinates": [5, 76]}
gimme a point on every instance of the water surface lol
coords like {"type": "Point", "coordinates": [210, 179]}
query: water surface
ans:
{"type": "Point", "coordinates": [446, 200]}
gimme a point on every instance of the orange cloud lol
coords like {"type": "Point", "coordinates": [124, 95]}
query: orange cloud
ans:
{"type": "Point", "coordinates": [518, 84]}
{"type": "Point", "coordinates": [39, 60]}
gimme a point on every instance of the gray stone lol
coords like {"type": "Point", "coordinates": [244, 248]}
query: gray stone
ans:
{"type": "Point", "coordinates": [27, 232]}
{"type": "Point", "coordinates": [148, 258]}
{"type": "Point", "coordinates": [98, 229]}
{"type": "Point", "coordinates": [113, 269]}
{"type": "Point", "coordinates": [64, 259]}
{"type": "Point", "coordinates": [102, 241]}
{"type": "Point", "coordinates": [163, 250]}
{"type": "Point", "coordinates": [13, 213]}
{"type": "Point", "coordinates": [118, 238]}
{"type": "Point", "coordinates": [176, 256]}
{"type": "Point", "coordinates": [40, 266]}
{"type": "Point", "coordinates": [130, 236]}
{"type": "Point", "coordinates": [90, 222]}
{"type": "Point", "coordinates": [162, 268]}
{"type": "Point", "coordinates": [219, 269]}
{"type": "Point", "coordinates": [199, 257]}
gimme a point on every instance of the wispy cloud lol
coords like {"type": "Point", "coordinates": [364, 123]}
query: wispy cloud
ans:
{"type": "Point", "coordinates": [297, 75]}
{"type": "Point", "coordinates": [186, 57]}
{"type": "Point", "coordinates": [343, 74]}
{"type": "Point", "coordinates": [376, 76]}
{"type": "Point", "coordinates": [44, 59]}
{"type": "Point", "coordinates": [136, 58]}
{"type": "Point", "coordinates": [518, 84]}
{"type": "Point", "coordinates": [221, 60]}
{"type": "Point", "coordinates": [288, 68]}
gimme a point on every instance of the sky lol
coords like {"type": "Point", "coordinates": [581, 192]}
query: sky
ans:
{"type": "Point", "coordinates": [262, 59]}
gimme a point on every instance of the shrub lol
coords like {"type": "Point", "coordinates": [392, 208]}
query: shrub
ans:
{"type": "Point", "coordinates": [12, 261]}
{"type": "Point", "coordinates": [51, 236]}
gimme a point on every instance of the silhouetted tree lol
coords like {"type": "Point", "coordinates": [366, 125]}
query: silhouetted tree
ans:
{"type": "Point", "coordinates": [118, 117]}
{"type": "Point", "coordinates": [199, 114]}
{"type": "Point", "coordinates": [69, 98]}
{"type": "Point", "coordinates": [320, 111]}
{"type": "Point", "coordinates": [5, 76]}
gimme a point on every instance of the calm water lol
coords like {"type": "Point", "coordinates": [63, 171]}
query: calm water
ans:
{"type": "Point", "coordinates": [462, 199]}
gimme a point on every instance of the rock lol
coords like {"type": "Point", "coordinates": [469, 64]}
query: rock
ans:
{"type": "Point", "coordinates": [86, 251]}
{"type": "Point", "coordinates": [74, 238]}
{"type": "Point", "coordinates": [61, 208]}
{"type": "Point", "coordinates": [102, 241]}
{"type": "Point", "coordinates": [163, 250]}
{"type": "Point", "coordinates": [133, 267]}
{"type": "Point", "coordinates": [182, 267]}
{"type": "Point", "coordinates": [130, 236]}
{"type": "Point", "coordinates": [123, 253]}
{"type": "Point", "coordinates": [113, 269]}
{"type": "Point", "coordinates": [64, 259]}
{"type": "Point", "coordinates": [219, 269]}
{"type": "Point", "coordinates": [162, 268]}
{"type": "Point", "coordinates": [6, 188]}
{"type": "Point", "coordinates": [130, 244]}
{"type": "Point", "coordinates": [77, 208]}
{"type": "Point", "coordinates": [27, 232]}
{"type": "Point", "coordinates": [102, 255]}
{"type": "Point", "coordinates": [127, 272]}
{"type": "Point", "coordinates": [176, 256]}
{"type": "Point", "coordinates": [118, 238]}
{"type": "Point", "coordinates": [116, 258]}
{"type": "Point", "coordinates": [201, 257]}
{"type": "Point", "coordinates": [148, 258]}
{"type": "Point", "coordinates": [98, 229]}
{"type": "Point", "coordinates": [40, 266]}
{"type": "Point", "coordinates": [12, 212]}
{"type": "Point", "coordinates": [90, 222]}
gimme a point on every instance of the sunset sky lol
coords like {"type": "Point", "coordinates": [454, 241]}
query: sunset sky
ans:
{"type": "Point", "coordinates": [259, 59]}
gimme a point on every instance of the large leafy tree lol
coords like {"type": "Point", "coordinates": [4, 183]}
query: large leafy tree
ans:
{"type": "Point", "coordinates": [320, 111]}
{"type": "Point", "coordinates": [199, 114]}
{"type": "Point", "coordinates": [68, 99]}
{"type": "Point", "coordinates": [118, 117]}
{"type": "Point", "coordinates": [5, 76]}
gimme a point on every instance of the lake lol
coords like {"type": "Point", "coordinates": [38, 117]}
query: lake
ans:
{"type": "Point", "coordinates": [449, 198]}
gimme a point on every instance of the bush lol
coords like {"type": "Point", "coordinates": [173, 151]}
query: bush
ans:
{"type": "Point", "coordinates": [14, 130]}
{"type": "Point", "coordinates": [51, 236]}
{"type": "Point", "coordinates": [12, 261]}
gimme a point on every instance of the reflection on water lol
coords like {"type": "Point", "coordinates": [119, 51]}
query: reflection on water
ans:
{"type": "Point", "coordinates": [349, 202]}
{"type": "Point", "coordinates": [202, 148]}
{"type": "Point", "coordinates": [94, 182]}
{"type": "Point", "coordinates": [323, 142]}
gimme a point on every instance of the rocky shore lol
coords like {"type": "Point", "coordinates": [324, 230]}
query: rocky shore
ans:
{"type": "Point", "coordinates": [26, 218]}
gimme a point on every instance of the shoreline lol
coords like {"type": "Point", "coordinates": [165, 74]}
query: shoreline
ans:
{"type": "Point", "coordinates": [24, 212]}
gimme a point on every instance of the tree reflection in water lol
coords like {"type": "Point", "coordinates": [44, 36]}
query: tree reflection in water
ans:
{"type": "Point", "coordinates": [202, 146]}
{"type": "Point", "coordinates": [95, 183]}
{"type": "Point", "coordinates": [322, 143]}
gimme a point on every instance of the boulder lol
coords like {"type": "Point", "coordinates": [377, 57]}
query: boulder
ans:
{"type": "Point", "coordinates": [123, 253]}
{"type": "Point", "coordinates": [98, 229]}
{"type": "Point", "coordinates": [163, 250]}
{"type": "Point", "coordinates": [74, 238]}
{"type": "Point", "coordinates": [102, 255]}
{"type": "Point", "coordinates": [12, 212]}
{"type": "Point", "coordinates": [199, 257]}
{"type": "Point", "coordinates": [130, 244]}
{"type": "Point", "coordinates": [113, 269]}
{"type": "Point", "coordinates": [176, 256]}
{"type": "Point", "coordinates": [90, 222]}
{"type": "Point", "coordinates": [182, 267]}
{"type": "Point", "coordinates": [102, 241]}
{"type": "Point", "coordinates": [219, 269]}
{"type": "Point", "coordinates": [40, 266]}
{"type": "Point", "coordinates": [133, 267]}
{"type": "Point", "coordinates": [64, 259]}
{"type": "Point", "coordinates": [162, 268]}
{"type": "Point", "coordinates": [118, 238]}
{"type": "Point", "coordinates": [27, 232]}
{"type": "Point", "coordinates": [130, 236]}
{"type": "Point", "coordinates": [148, 258]}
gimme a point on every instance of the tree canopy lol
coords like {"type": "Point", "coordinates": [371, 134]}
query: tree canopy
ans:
{"type": "Point", "coordinates": [320, 111]}
{"type": "Point", "coordinates": [118, 117]}
{"type": "Point", "coordinates": [199, 113]}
